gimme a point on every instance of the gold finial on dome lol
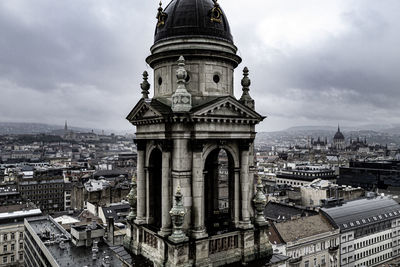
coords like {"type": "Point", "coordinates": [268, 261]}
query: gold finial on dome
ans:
{"type": "Point", "coordinates": [216, 13]}
{"type": "Point", "coordinates": [161, 16]}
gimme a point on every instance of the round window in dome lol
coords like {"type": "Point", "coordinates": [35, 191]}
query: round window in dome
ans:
{"type": "Point", "coordinates": [216, 78]}
{"type": "Point", "coordinates": [159, 81]}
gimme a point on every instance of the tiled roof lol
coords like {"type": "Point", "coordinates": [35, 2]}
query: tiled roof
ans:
{"type": "Point", "coordinates": [304, 227]}
{"type": "Point", "coordinates": [281, 212]}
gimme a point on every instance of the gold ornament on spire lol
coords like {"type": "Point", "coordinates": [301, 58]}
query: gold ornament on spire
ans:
{"type": "Point", "coordinates": [216, 13]}
{"type": "Point", "coordinates": [161, 16]}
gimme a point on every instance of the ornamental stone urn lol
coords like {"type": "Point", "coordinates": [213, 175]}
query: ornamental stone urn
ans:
{"type": "Point", "coordinates": [260, 201]}
{"type": "Point", "coordinates": [177, 215]}
{"type": "Point", "coordinates": [181, 99]}
{"type": "Point", "coordinates": [132, 198]}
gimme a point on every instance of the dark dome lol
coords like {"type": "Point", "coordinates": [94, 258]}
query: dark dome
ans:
{"type": "Point", "coordinates": [338, 136]}
{"type": "Point", "coordinates": [192, 18]}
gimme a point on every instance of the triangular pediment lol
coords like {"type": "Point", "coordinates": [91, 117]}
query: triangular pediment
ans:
{"type": "Point", "coordinates": [226, 107]}
{"type": "Point", "coordinates": [143, 110]}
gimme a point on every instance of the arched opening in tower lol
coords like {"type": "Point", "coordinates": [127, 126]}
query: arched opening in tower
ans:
{"type": "Point", "coordinates": [154, 169]}
{"type": "Point", "coordinates": [219, 191]}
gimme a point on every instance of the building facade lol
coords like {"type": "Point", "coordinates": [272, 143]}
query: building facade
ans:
{"type": "Point", "coordinates": [369, 231]}
{"type": "Point", "coordinates": [308, 241]}
{"type": "Point", "coordinates": [302, 176]}
{"type": "Point", "coordinates": [322, 192]}
{"type": "Point", "coordinates": [370, 175]}
{"type": "Point", "coordinates": [12, 233]}
{"type": "Point", "coordinates": [45, 189]}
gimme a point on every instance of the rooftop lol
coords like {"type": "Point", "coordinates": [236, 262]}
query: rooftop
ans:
{"type": "Point", "coordinates": [303, 227]}
{"type": "Point", "coordinates": [280, 212]}
{"type": "Point", "coordinates": [58, 242]}
{"type": "Point", "coordinates": [96, 185]}
{"type": "Point", "coordinates": [115, 210]}
{"type": "Point", "coordinates": [360, 212]}
{"type": "Point", "coordinates": [13, 213]}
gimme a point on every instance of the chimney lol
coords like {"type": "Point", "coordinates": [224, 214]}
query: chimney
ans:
{"type": "Point", "coordinates": [110, 229]}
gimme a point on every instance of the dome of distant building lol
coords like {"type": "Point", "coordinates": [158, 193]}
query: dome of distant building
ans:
{"type": "Point", "coordinates": [338, 135]}
{"type": "Point", "coordinates": [339, 140]}
{"type": "Point", "coordinates": [192, 18]}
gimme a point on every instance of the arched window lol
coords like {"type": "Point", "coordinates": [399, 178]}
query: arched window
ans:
{"type": "Point", "coordinates": [154, 170]}
{"type": "Point", "coordinates": [219, 191]}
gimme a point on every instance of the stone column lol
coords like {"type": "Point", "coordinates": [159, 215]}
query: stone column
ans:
{"type": "Point", "coordinates": [149, 219]}
{"type": "Point", "coordinates": [141, 184]}
{"type": "Point", "coordinates": [166, 192]}
{"type": "Point", "coordinates": [182, 174]}
{"type": "Point", "coordinates": [199, 230]}
{"type": "Point", "coordinates": [237, 197]}
{"type": "Point", "coordinates": [244, 184]}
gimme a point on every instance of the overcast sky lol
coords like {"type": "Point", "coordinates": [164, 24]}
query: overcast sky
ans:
{"type": "Point", "coordinates": [311, 62]}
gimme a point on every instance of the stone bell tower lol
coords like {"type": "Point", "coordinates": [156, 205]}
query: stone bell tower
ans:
{"type": "Point", "coordinates": [185, 210]}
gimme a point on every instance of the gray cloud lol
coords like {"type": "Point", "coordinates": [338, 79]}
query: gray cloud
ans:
{"type": "Point", "coordinates": [82, 60]}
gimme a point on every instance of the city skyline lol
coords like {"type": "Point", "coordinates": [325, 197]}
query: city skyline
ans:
{"type": "Point", "coordinates": [310, 64]}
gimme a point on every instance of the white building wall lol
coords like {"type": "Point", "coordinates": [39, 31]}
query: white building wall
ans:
{"type": "Point", "coordinates": [370, 250]}
{"type": "Point", "coordinates": [11, 244]}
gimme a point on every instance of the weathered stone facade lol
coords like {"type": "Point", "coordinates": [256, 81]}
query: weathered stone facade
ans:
{"type": "Point", "coordinates": [179, 134]}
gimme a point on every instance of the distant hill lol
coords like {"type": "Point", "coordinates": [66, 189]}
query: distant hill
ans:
{"type": "Point", "coordinates": [383, 128]}
{"type": "Point", "coordinates": [381, 134]}
{"type": "Point", "coordinates": [35, 128]}
{"type": "Point", "coordinates": [310, 128]}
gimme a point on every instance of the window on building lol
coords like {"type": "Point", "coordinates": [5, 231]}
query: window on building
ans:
{"type": "Point", "coordinates": [4, 259]}
{"type": "Point", "coordinates": [20, 256]}
{"type": "Point", "coordinates": [12, 258]}
{"type": "Point", "coordinates": [306, 264]}
{"type": "Point", "coordinates": [12, 247]}
{"type": "Point", "coordinates": [5, 248]}
{"type": "Point", "coordinates": [5, 237]}
{"type": "Point", "coordinates": [21, 245]}
{"type": "Point", "coordinates": [12, 236]}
